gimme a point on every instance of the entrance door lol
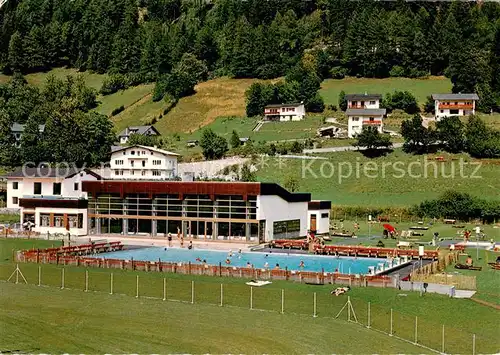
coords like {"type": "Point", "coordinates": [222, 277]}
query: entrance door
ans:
{"type": "Point", "coordinates": [312, 226]}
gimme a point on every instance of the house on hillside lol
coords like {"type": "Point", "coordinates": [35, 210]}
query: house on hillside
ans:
{"type": "Point", "coordinates": [142, 130]}
{"type": "Point", "coordinates": [17, 131]}
{"type": "Point", "coordinates": [139, 162]}
{"type": "Point", "coordinates": [285, 112]}
{"type": "Point", "coordinates": [446, 105]}
{"type": "Point", "coordinates": [364, 110]}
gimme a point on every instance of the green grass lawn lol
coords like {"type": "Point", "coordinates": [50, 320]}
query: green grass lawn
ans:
{"type": "Point", "coordinates": [420, 88]}
{"type": "Point", "coordinates": [48, 320]}
{"type": "Point", "coordinates": [38, 79]}
{"type": "Point", "coordinates": [371, 187]}
{"type": "Point", "coordinates": [376, 229]}
{"type": "Point", "coordinates": [74, 315]}
{"type": "Point", "coordinates": [487, 280]}
{"type": "Point", "coordinates": [123, 97]}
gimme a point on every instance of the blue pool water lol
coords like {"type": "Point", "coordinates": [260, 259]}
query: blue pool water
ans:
{"type": "Point", "coordinates": [258, 260]}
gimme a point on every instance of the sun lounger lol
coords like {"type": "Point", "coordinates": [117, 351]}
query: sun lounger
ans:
{"type": "Point", "coordinates": [258, 283]}
{"type": "Point", "coordinates": [468, 267]}
{"type": "Point", "coordinates": [494, 266]}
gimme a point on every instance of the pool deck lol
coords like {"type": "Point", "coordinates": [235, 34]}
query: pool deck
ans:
{"type": "Point", "coordinates": [163, 242]}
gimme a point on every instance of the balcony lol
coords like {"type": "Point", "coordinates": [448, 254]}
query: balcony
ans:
{"type": "Point", "coordinates": [357, 106]}
{"type": "Point", "coordinates": [456, 107]}
{"type": "Point", "coordinates": [272, 112]}
{"type": "Point", "coordinates": [375, 122]}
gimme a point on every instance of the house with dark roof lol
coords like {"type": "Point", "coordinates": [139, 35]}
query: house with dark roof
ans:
{"type": "Point", "coordinates": [446, 105]}
{"type": "Point", "coordinates": [364, 110]}
{"type": "Point", "coordinates": [17, 131]}
{"type": "Point", "coordinates": [142, 130]}
{"type": "Point", "coordinates": [285, 112]}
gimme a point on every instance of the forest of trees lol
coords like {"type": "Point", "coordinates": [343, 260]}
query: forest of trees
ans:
{"type": "Point", "coordinates": [73, 133]}
{"type": "Point", "coordinates": [256, 38]}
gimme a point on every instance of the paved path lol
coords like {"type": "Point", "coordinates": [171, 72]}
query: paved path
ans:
{"type": "Point", "coordinates": [341, 149]}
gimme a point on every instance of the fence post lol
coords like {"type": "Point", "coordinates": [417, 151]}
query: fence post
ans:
{"type": "Point", "coordinates": [164, 288]}
{"type": "Point", "coordinates": [192, 292]}
{"type": "Point", "coordinates": [39, 276]}
{"type": "Point", "coordinates": [86, 281]}
{"type": "Point", "coordinates": [442, 342]}
{"type": "Point", "coordinates": [314, 305]}
{"type": "Point", "coordinates": [391, 324]}
{"type": "Point", "coordinates": [111, 284]}
{"type": "Point", "coordinates": [368, 326]}
{"type": "Point", "coordinates": [473, 344]}
{"type": "Point", "coordinates": [221, 294]}
{"type": "Point", "coordinates": [62, 279]}
{"type": "Point", "coordinates": [416, 329]}
{"type": "Point", "coordinates": [282, 301]}
{"type": "Point", "coordinates": [348, 308]}
{"type": "Point", "coordinates": [137, 287]}
{"type": "Point", "coordinates": [251, 297]}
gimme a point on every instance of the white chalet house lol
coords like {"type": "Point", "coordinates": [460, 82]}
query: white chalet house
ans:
{"type": "Point", "coordinates": [139, 162]}
{"type": "Point", "coordinates": [51, 199]}
{"type": "Point", "coordinates": [285, 112]}
{"type": "Point", "coordinates": [364, 110]}
{"type": "Point", "coordinates": [446, 105]}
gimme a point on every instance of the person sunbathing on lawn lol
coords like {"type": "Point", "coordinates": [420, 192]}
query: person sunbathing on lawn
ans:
{"type": "Point", "coordinates": [469, 261]}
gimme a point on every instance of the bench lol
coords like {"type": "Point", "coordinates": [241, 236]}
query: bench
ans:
{"type": "Point", "coordinates": [402, 244]}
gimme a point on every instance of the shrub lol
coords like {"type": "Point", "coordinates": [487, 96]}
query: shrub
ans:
{"type": "Point", "coordinates": [113, 83]}
{"type": "Point", "coordinates": [117, 110]}
{"type": "Point", "coordinates": [338, 72]}
{"type": "Point", "coordinates": [397, 71]}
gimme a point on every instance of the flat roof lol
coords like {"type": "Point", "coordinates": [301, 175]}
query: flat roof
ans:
{"type": "Point", "coordinates": [365, 111]}
{"type": "Point", "coordinates": [455, 97]}
{"type": "Point", "coordinates": [182, 188]}
{"type": "Point", "coordinates": [365, 96]}
{"type": "Point", "coordinates": [319, 205]}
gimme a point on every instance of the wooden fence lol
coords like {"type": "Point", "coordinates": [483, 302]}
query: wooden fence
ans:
{"type": "Point", "coordinates": [434, 273]}
{"type": "Point", "coordinates": [61, 257]}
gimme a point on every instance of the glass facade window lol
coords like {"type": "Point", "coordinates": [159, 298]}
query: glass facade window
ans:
{"type": "Point", "coordinates": [286, 229]}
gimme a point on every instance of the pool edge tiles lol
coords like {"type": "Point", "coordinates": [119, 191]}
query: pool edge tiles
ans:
{"type": "Point", "coordinates": [259, 260]}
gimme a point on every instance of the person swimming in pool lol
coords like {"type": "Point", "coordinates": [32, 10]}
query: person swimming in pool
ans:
{"type": "Point", "coordinates": [301, 265]}
{"type": "Point", "coordinates": [198, 259]}
{"type": "Point", "coordinates": [266, 256]}
{"type": "Point", "coordinates": [277, 267]}
{"type": "Point", "coordinates": [230, 253]}
{"type": "Point", "coordinates": [228, 261]}
{"type": "Point", "coordinates": [266, 265]}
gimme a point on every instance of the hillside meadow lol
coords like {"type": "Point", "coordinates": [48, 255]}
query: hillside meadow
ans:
{"type": "Point", "coordinates": [350, 178]}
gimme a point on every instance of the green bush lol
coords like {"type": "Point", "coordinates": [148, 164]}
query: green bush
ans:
{"type": "Point", "coordinates": [117, 110]}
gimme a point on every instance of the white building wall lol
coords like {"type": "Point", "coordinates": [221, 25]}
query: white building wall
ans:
{"type": "Point", "coordinates": [52, 230]}
{"type": "Point", "coordinates": [366, 104]}
{"type": "Point", "coordinates": [26, 187]}
{"type": "Point", "coordinates": [141, 164]}
{"type": "Point", "coordinates": [440, 113]}
{"type": "Point", "coordinates": [273, 208]}
{"type": "Point", "coordinates": [322, 224]}
{"type": "Point", "coordinates": [355, 124]}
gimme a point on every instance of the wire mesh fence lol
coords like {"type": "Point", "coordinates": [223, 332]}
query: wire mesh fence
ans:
{"type": "Point", "coordinates": [412, 328]}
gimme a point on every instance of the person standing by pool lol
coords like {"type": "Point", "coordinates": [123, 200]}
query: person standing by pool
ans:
{"type": "Point", "coordinates": [190, 246]}
{"type": "Point", "coordinates": [169, 239]}
{"type": "Point", "coordinates": [182, 241]}
{"type": "Point", "coordinates": [249, 265]}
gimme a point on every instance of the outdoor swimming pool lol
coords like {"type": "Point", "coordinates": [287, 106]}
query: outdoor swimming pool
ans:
{"type": "Point", "coordinates": [258, 260]}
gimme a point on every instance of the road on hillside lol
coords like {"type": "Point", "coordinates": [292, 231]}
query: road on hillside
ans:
{"type": "Point", "coordinates": [341, 149]}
